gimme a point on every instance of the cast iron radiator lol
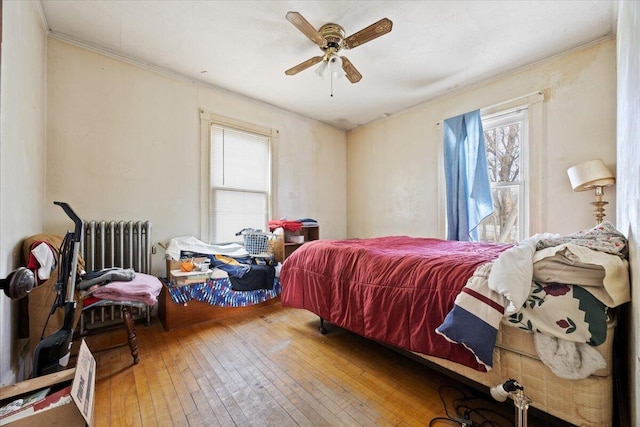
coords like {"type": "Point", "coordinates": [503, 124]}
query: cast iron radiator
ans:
{"type": "Point", "coordinates": [125, 244]}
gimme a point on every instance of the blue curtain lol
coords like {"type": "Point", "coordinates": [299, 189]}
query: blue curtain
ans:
{"type": "Point", "coordinates": [467, 177]}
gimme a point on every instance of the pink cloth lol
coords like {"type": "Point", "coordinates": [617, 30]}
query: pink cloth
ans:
{"type": "Point", "coordinates": [143, 288]}
{"type": "Point", "coordinates": [288, 225]}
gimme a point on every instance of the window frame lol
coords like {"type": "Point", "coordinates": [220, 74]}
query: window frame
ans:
{"type": "Point", "coordinates": [503, 118]}
{"type": "Point", "coordinates": [207, 120]}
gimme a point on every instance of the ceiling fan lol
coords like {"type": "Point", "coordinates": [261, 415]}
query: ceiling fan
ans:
{"type": "Point", "coordinates": [330, 38]}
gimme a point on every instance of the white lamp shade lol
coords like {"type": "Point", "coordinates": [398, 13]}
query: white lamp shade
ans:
{"type": "Point", "coordinates": [590, 174]}
{"type": "Point", "coordinates": [331, 67]}
{"type": "Point", "coordinates": [321, 71]}
{"type": "Point", "coordinates": [335, 65]}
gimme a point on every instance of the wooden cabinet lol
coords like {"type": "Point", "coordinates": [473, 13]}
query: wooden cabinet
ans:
{"type": "Point", "coordinates": [309, 233]}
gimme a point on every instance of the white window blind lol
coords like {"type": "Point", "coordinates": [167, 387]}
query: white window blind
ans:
{"type": "Point", "coordinates": [239, 182]}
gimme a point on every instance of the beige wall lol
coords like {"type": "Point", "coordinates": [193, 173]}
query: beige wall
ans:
{"type": "Point", "coordinates": [22, 156]}
{"type": "Point", "coordinates": [124, 142]}
{"type": "Point", "coordinates": [393, 165]}
{"type": "Point", "coordinates": [629, 176]}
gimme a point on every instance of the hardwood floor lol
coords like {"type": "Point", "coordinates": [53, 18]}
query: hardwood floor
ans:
{"type": "Point", "coordinates": [267, 367]}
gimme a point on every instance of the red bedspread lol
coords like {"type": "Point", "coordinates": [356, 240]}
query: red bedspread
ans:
{"type": "Point", "coordinates": [396, 290]}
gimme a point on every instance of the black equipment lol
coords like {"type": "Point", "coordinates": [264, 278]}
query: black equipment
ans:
{"type": "Point", "coordinates": [53, 352]}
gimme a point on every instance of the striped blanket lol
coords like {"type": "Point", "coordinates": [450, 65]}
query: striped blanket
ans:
{"type": "Point", "coordinates": [475, 317]}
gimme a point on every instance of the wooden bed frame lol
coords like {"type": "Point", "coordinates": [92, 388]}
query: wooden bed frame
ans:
{"type": "Point", "coordinates": [173, 315]}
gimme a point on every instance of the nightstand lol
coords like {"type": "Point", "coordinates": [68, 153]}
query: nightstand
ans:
{"type": "Point", "coordinates": [309, 233]}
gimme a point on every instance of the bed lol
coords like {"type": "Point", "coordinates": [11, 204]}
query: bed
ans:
{"type": "Point", "coordinates": [186, 305]}
{"type": "Point", "coordinates": [434, 298]}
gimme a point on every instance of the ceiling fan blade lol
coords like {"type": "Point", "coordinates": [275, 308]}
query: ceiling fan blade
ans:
{"type": "Point", "coordinates": [353, 75]}
{"type": "Point", "coordinates": [373, 31]}
{"type": "Point", "coordinates": [303, 65]}
{"type": "Point", "coordinates": [307, 29]}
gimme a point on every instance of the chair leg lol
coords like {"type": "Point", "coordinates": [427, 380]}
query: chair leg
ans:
{"type": "Point", "coordinates": [131, 333]}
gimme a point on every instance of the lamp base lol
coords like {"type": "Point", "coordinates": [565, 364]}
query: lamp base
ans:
{"type": "Point", "coordinates": [599, 204]}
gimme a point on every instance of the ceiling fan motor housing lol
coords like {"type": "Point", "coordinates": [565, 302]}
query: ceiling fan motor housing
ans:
{"type": "Point", "coordinates": [333, 34]}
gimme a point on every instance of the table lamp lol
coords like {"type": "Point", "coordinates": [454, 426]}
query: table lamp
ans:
{"type": "Point", "coordinates": [592, 174]}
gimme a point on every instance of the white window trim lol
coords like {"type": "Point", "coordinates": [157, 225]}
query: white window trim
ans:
{"type": "Point", "coordinates": [207, 120]}
{"type": "Point", "coordinates": [534, 154]}
{"type": "Point", "coordinates": [501, 118]}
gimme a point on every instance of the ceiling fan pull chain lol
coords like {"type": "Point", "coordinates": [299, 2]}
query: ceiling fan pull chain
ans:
{"type": "Point", "coordinates": [331, 79]}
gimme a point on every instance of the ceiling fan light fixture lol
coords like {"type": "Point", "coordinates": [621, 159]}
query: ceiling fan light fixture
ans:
{"type": "Point", "coordinates": [335, 66]}
{"type": "Point", "coordinates": [331, 67]}
{"type": "Point", "coordinates": [322, 70]}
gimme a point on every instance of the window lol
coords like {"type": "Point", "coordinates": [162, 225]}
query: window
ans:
{"type": "Point", "coordinates": [505, 139]}
{"type": "Point", "coordinates": [239, 179]}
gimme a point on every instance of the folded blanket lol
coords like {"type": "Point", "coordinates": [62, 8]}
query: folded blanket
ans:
{"type": "Point", "coordinates": [564, 267]}
{"type": "Point", "coordinates": [614, 288]}
{"type": "Point", "coordinates": [142, 288]}
{"type": "Point", "coordinates": [288, 225]}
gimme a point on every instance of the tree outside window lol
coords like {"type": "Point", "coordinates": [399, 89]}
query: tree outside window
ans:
{"type": "Point", "coordinates": [505, 135]}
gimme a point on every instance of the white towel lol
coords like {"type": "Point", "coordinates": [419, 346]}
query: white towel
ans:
{"type": "Point", "coordinates": [568, 359]}
{"type": "Point", "coordinates": [46, 259]}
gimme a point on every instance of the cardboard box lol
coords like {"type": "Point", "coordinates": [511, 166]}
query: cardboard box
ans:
{"type": "Point", "coordinates": [172, 264]}
{"type": "Point", "coordinates": [66, 405]}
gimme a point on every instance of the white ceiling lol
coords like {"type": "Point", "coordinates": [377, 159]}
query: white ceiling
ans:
{"type": "Point", "coordinates": [435, 47]}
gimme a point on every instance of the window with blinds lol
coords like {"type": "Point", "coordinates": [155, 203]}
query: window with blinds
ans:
{"type": "Point", "coordinates": [240, 182]}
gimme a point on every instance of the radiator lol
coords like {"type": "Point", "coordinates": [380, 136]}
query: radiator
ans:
{"type": "Point", "coordinates": [125, 244]}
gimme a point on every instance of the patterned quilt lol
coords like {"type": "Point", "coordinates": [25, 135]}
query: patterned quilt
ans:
{"type": "Point", "coordinates": [565, 311]}
{"type": "Point", "coordinates": [219, 292]}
